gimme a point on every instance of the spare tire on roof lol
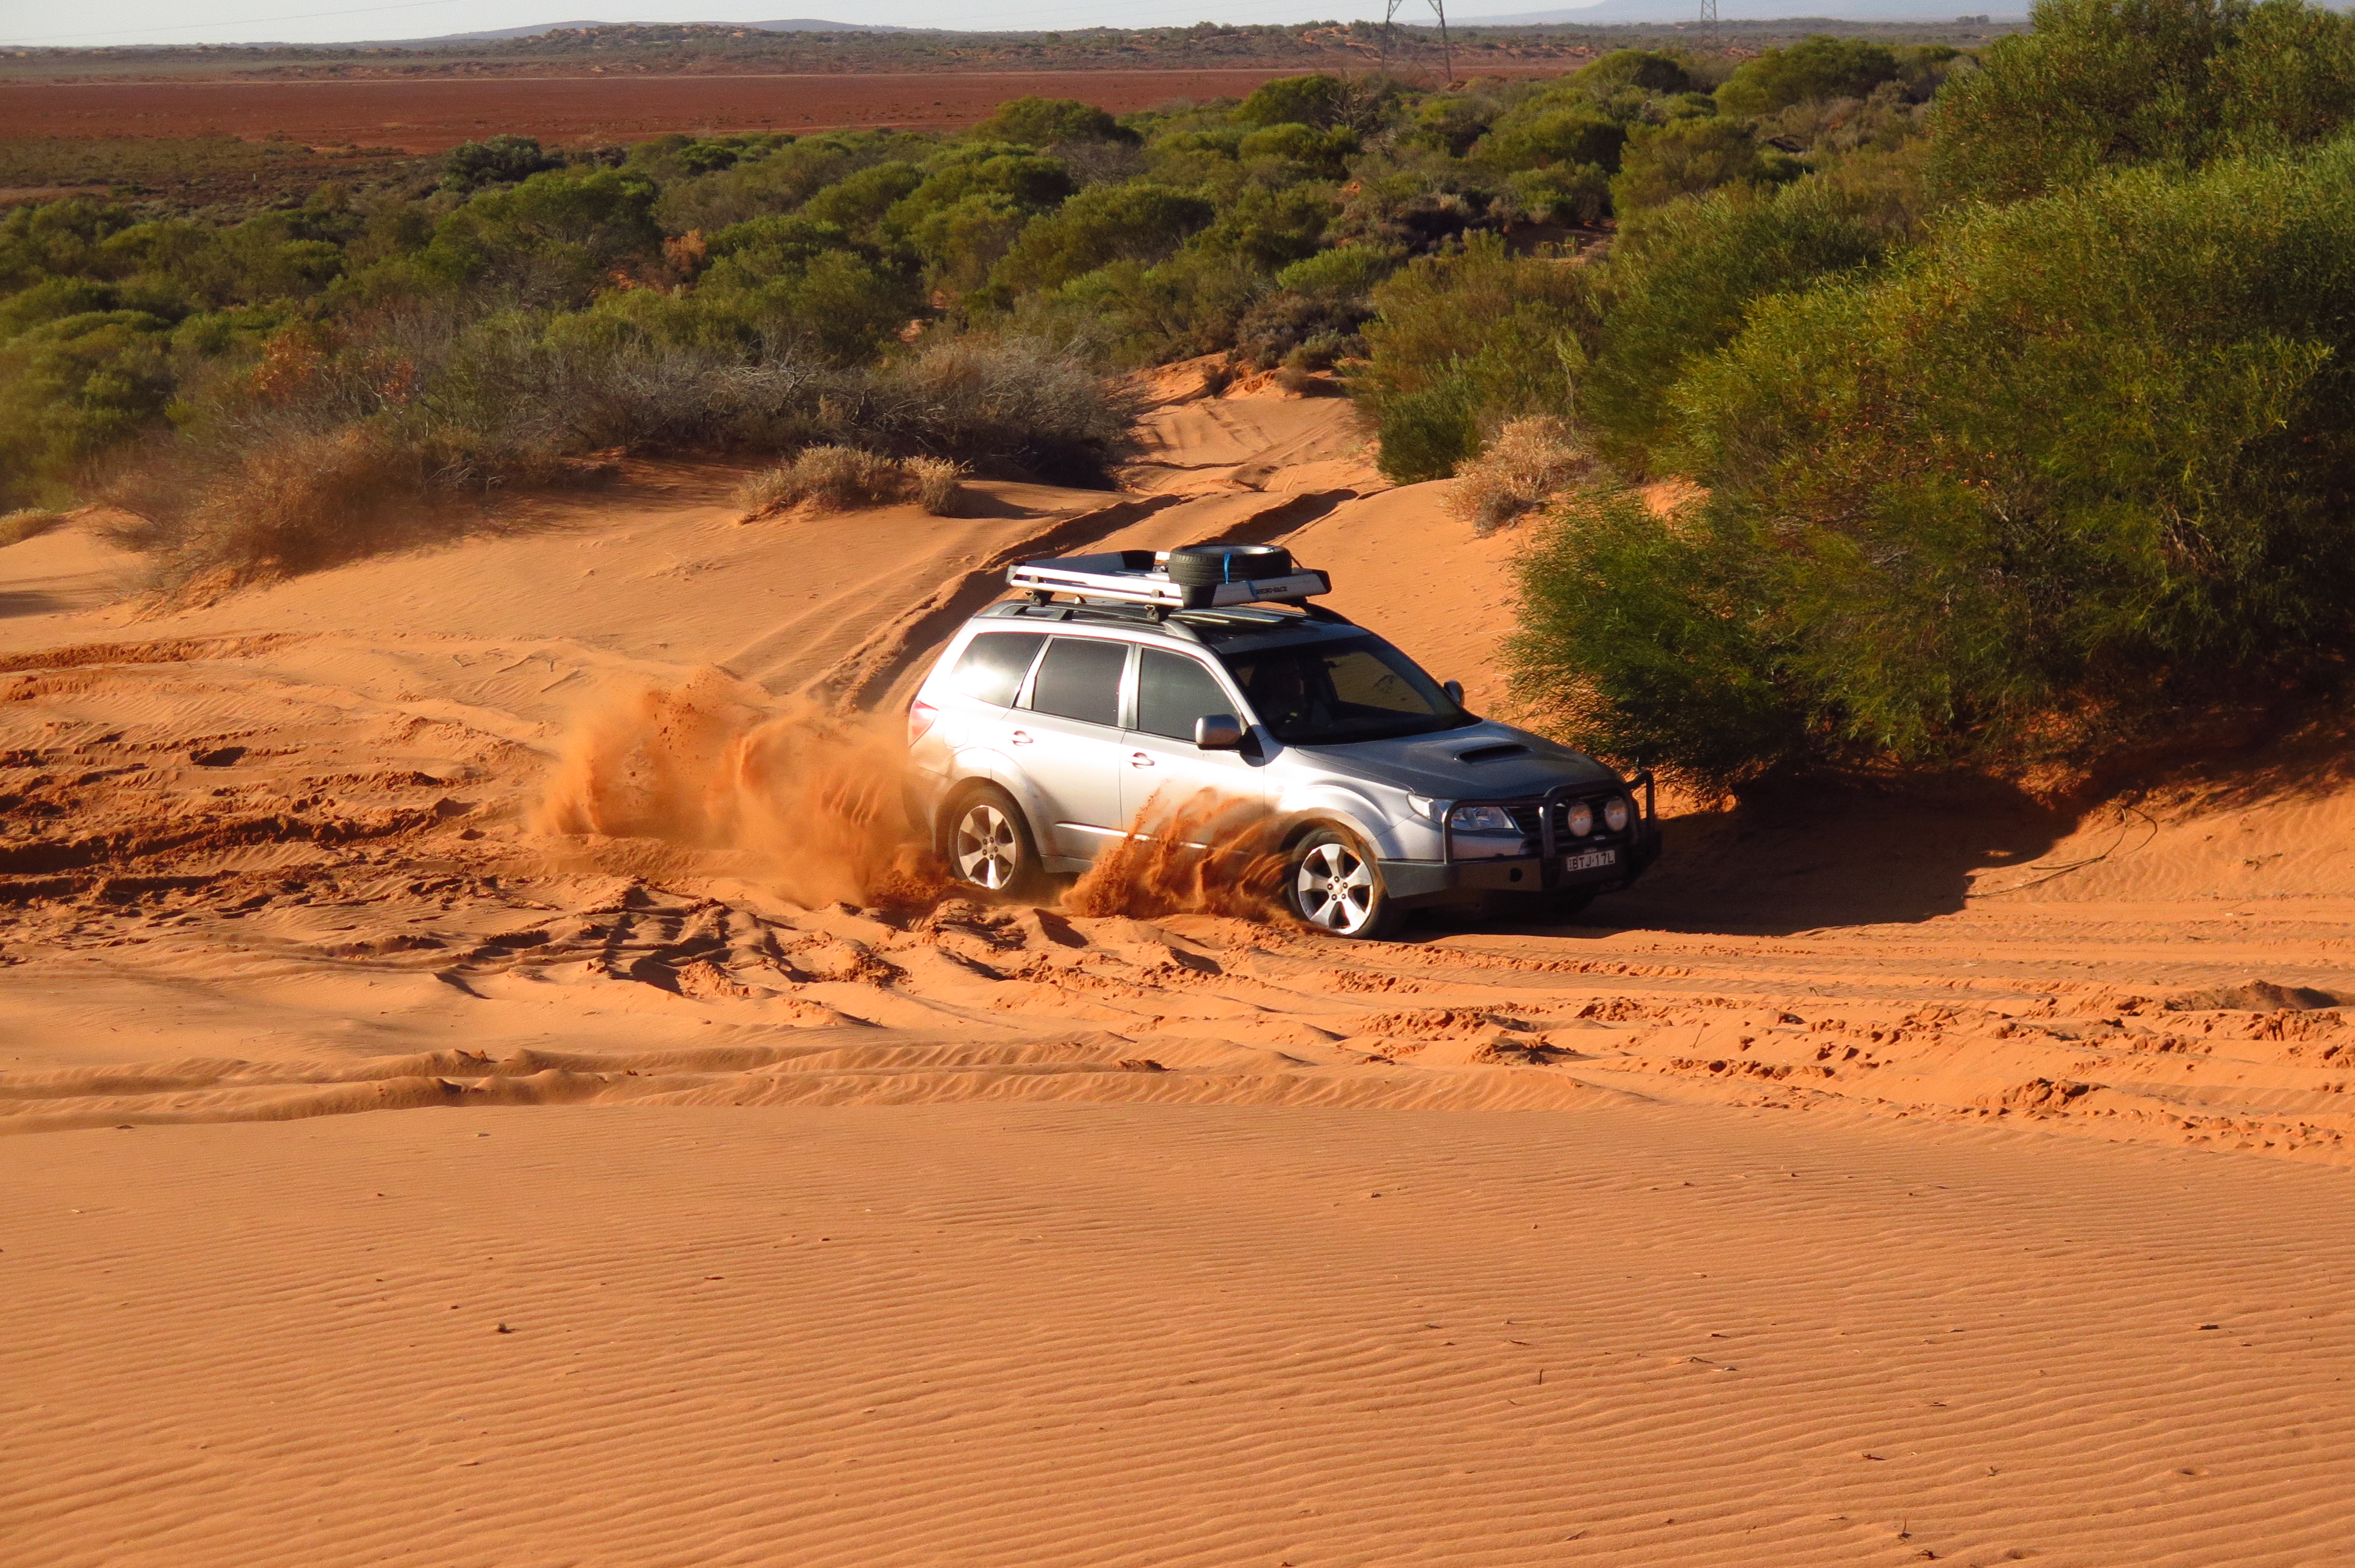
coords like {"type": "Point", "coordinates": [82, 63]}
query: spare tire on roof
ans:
{"type": "Point", "coordinates": [1207, 566]}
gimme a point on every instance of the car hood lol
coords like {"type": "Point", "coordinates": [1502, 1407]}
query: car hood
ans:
{"type": "Point", "coordinates": [1481, 761]}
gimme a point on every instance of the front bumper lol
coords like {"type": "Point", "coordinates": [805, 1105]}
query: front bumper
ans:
{"type": "Point", "coordinates": [1415, 882]}
{"type": "Point", "coordinates": [1554, 868]}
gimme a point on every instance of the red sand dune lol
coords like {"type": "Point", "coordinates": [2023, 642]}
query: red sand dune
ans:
{"type": "Point", "coordinates": [428, 116]}
{"type": "Point", "coordinates": [1874, 1185]}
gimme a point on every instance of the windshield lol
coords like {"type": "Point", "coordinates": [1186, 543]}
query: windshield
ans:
{"type": "Point", "coordinates": [1327, 693]}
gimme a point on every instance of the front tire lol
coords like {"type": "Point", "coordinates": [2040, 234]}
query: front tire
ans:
{"type": "Point", "coordinates": [1334, 884]}
{"type": "Point", "coordinates": [987, 844]}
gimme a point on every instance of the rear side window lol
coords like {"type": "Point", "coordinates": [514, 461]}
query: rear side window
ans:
{"type": "Point", "coordinates": [1173, 691]}
{"type": "Point", "coordinates": [1078, 678]}
{"type": "Point", "coordinates": [993, 664]}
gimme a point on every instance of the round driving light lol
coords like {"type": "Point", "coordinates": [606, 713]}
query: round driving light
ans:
{"type": "Point", "coordinates": [1615, 814]}
{"type": "Point", "coordinates": [1581, 819]}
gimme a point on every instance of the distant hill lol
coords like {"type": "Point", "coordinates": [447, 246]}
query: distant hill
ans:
{"type": "Point", "coordinates": [789, 25]}
{"type": "Point", "coordinates": [1752, 11]}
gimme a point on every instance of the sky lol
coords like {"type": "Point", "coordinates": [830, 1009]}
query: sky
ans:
{"type": "Point", "coordinates": [121, 22]}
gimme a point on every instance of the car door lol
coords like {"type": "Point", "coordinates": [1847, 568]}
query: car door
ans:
{"type": "Point", "coordinates": [1158, 756]}
{"type": "Point", "coordinates": [1067, 740]}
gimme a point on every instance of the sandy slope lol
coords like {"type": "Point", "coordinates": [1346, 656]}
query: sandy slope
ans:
{"type": "Point", "coordinates": [1104, 1280]}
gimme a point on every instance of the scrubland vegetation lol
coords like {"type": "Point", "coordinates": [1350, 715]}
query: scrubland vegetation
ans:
{"type": "Point", "coordinates": [2007, 391]}
{"type": "Point", "coordinates": [280, 391]}
{"type": "Point", "coordinates": [2022, 423]}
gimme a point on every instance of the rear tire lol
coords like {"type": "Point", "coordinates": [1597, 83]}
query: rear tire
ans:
{"type": "Point", "coordinates": [1332, 883]}
{"type": "Point", "coordinates": [987, 844]}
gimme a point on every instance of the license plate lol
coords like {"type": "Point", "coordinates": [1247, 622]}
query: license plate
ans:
{"type": "Point", "coordinates": [1591, 860]}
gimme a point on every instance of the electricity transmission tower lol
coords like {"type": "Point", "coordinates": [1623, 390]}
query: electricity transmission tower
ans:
{"type": "Point", "coordinates": [1709, 20]}
{"type": "Point", "coordinates": [1446, 49]}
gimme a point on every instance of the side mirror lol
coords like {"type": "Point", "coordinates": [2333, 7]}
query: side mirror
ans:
{"type": "Point", "coordinates": [1455, 690]}
{"type": "Point", "coordinates": [1217, 732]}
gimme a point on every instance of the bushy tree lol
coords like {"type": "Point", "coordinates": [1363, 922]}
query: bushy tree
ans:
{"type": "Point", "coordinates": [2110, 83]}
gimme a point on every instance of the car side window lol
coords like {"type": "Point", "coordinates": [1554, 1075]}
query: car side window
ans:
{"type": "Point", "coordinates": [1078, 678]}
{"type": "Point", "coordinates": [991, 668]}
{"type": "Point", "coordinates": [1173, 691]}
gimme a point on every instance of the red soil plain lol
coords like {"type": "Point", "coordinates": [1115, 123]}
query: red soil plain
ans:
{"type": "Point", "coordinates": [432, 115]}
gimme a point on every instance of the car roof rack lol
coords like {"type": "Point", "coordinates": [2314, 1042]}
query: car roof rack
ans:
{"type": "Point", "coordinates": [1140, 576]}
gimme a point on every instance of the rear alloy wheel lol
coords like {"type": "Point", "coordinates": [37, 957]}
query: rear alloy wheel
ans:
{"type": "Point", "coordinates": [988, 844]}
{"type": "Point", "coordinates": [1336, 887]}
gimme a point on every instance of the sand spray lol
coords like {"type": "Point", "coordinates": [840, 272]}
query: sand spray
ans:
{"type": "Point", "coordinates": [1198, 854]}
{"type": "Point", "coordinates": [807, 802]}
{"type": "Point", "coordinates": [813, 804]}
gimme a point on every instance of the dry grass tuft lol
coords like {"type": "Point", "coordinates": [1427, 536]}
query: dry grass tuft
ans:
{"type": "Point", "coordinates": [841, 479]}
{"type": "Point", "coordinates": [295, 501]}
{"type": "Point", "coordinates": [939, 490]}
{"type": "Point", "coordinates": [1530, 461]}
{"type": "Point", "coordinates": [28, 523]}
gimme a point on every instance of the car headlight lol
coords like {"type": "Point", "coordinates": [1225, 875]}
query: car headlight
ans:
{"type": "Point", "coordinates": [1482, 820]}
{"type": "Point", "coordinates": [1581, 819]}
{"type": "Point", "coordinates": [1615, 814]}
{"type": "Point", "coordinates": [1424, 806]}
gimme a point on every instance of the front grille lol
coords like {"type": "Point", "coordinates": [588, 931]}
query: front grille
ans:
{"type": "Point", "coordinates": [1526, 817]}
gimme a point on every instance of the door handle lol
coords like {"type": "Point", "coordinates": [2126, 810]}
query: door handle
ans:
{"type": "Point", "coordinates": [1140, 760]}
{"type": "Point", "coordinates": [1020, 738]}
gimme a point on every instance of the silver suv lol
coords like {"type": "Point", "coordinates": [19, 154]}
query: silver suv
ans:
{"type": "Point", "coordinates": [1051, 719]}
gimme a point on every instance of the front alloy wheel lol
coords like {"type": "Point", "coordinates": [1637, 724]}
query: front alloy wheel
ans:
{"type": "Point", "coordinates": [986, 847]}
{"type": "Point", "coordinates": [1336, 887]}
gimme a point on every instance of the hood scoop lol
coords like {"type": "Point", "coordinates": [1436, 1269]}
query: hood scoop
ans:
{"type": "Point", "coordinates": [1492, 753]}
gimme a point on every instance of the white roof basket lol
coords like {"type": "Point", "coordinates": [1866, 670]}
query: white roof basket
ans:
{"type": "Point", "coordinates": [1139, 576]}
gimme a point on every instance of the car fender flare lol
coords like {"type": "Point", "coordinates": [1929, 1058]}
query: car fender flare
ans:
{"type": "Point", "coordinates": [1328, 805]}
{"type": "Point", "coordinates": [984, 764]}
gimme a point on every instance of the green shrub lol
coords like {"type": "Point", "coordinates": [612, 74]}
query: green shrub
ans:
{"type": "Point", "coordinates": [1652, 644]}
{"type": "Point", "coordinates": [857, 203]}
{"type": "Point", "coordinates": [73, 388]}
{"type": "Point", "coordinates": [1681, 279]}
{"type": "Point", "coordinates": [1575, 194]}
{"type": "Point", "coordinates": [2072, 470]}
{"type": "Point", "coordinates": [1467, 341]}
{"type": "Point", "coordinates": [1644, 68]}
{"type": "Point", "coordinates": [1576, 136]}
{"type": "Point", "coordinates": [553, 240]}
{"type": "Point", "coordinates": [1141, 223]}
{"type": "Point", "coordinates": [1819, 69]}
{"type": "Point", "coordinates": [1316, 101]}
{"type": "Point", "coordinates": [2175, 83]}
{"type": "Point", "coordinates": [1048, 122]}
{"type": "Point", "coordinates": [497, 160]}
{"type": "Point", "coordinates": [1689, 157]}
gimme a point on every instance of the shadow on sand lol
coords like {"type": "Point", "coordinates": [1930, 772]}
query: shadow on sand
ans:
{"type": "Point", "coordinates": [1803, 858]}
